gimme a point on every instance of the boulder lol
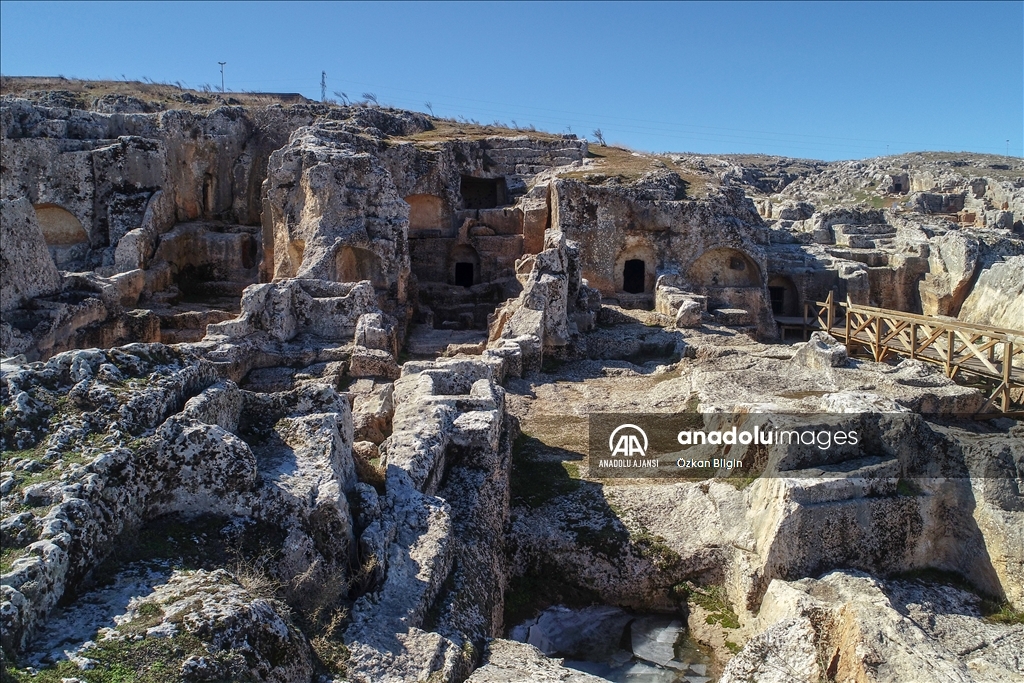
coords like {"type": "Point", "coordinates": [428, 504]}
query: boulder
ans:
{"type": "Point", "coordinates": [821, 352]}
{"type": "Point", "coordinates": [366, 362]}
{"type": "Point", "coordinates": [245, 636]}
{"type": "Point", "coordinates": [689, 314]}
{"type": "Point", "coordinates": [849, 626]}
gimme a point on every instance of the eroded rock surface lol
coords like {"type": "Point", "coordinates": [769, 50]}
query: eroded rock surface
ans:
{"type": "Point", "coordinates": [363, 344]}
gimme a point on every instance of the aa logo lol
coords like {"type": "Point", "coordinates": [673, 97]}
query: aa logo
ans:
{"type": "Point", "coordinates": [628, 443]}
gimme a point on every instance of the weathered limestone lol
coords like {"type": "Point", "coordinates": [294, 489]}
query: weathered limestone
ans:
{"type": "Point", "coordinates": [507, 661]}
{"type": "Point", "coordinates": [337, 215]}
{"type": "Point", "coordinates": [998, 296]}
{"type": "Point", "coordinates": [714, 247]}
{"type": "Point", "coordinates": [447, 463]}
{"type": "Point", "coordinates": [244, 635]}
{"type": "Point", "coordinates": [953, 260]}
{"type": "Point", "coordinates": [192, 464]}
{"type": "Point", "coordinates": [27, 269]}
{"type": "Point", "coordinates": [555, 306]}
{"type": "Point", "coordinates": [393, 498]}
{"type": "Point", "coordinates": [849, 626]}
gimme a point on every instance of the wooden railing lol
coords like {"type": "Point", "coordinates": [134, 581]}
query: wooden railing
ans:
{"type": "Point", "coordinates": [992, 356]}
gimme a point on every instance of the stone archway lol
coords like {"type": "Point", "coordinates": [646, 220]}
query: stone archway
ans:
{"type": "Point", "coordinates": [60, 227]}
{"type": "Point", "coordinates": [66, 238]}
{"type": "Point", "coordinates": [635, 269]}
{"type": "Point", "coordinates": [783, 295]}
{"type": "Point", "coordinates": [463, 266]}
{"type": "Point", "coordinates": [724, 267]}
{"type": "Point", "coordinates": [353, 264]}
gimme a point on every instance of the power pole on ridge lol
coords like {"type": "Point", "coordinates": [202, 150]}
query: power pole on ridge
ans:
{"type": "Point", "coordinates": [222, 75]}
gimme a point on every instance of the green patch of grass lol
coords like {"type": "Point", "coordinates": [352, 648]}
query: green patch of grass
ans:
{"type": "Point", "coordinates": [1004, 613]}
{"type": "Point", "coordinates": [150, 660]}
{"type": "Point", "coordinates": [656, 549]}
{"type": "Point", "coordinates": [732, 647]}
{"type": "Point", "coordinates": [8, 556]}
{"type": "Point", "coordinates": [712, 599]}
{"type": "Point", "coordinates": [149, 615]}
{"type": "Point", "coordinates": [572, 469]}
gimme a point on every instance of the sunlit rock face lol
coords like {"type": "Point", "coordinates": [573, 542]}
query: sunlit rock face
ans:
{"type": "Point", "coordinates": [300, 392]}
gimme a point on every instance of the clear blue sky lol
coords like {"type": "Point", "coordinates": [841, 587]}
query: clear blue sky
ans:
{"type": "Point", "coordinates": [828, 81]}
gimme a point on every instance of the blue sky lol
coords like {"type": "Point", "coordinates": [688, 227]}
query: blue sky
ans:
{"type": "Point", "coordinates": [827, 81]}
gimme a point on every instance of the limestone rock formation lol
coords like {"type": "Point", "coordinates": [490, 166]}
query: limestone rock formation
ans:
{"type": "Point", "coordinates": [953, 260]}
{"type": "Point", "coordinates": [337, 215]}
{"type": "Point", "coordinates": [244, 635]}
{"type": "Point", "coordinates": [998, 296]}
{"type": "Point", "coordinates": [28, 271]}
{"type": "Point", "coordinates": [555, 305]}
{"type": "Point", "coordinates": [301, 392]}
{"type": "Point", "coordinates": [848, 626]}
{"type": "Point", "coordinates": [506, 661]}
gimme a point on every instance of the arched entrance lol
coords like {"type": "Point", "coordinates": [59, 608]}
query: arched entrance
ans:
{"type": "Point", "coordinates": [633, 271]}
{"type": "Point", "coordinates": [783, 296]}
{"type": "Point", "coordinates": [66, 238]}
{"type": "Point", "coordinates": [60, 227]}
{"type": "Point", "coordinates": [635, 268]}
{"type": "Point", "coordinates": [353, 264]}
{"type": "Point", "coordinates": [464, 270]}
{"type": "Point", "coordinates": [724, 267]}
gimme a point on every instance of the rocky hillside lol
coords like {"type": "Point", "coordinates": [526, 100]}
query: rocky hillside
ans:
{"type": "Point", "coordinates": [303, 392]}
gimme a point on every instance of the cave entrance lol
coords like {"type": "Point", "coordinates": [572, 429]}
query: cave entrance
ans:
{"type": "Point", "coordinates": [778, 297]}
{"type": "Point", "coordinates": [463, 274]}
{"type": "Point", "coordinates": [782, 294]}
{"type": "Point", "coordinates": [482, 193]}
{"type": "Point", "coordinates": [633, 273]}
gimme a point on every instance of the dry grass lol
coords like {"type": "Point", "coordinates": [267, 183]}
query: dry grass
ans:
{"type": "Point", "coordinates": [628, 166]}
{"type": "Point", "coordinates": [164, 95]}
{"type": "Point", "coordinates": [448, 129]}
{"type": "Point", "coordinates": [254, 577]}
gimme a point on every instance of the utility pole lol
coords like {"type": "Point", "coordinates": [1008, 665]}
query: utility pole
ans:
{"type": "Point", "coordinates": [222, 75]}
{"type": "Point", "coordinates": [323, 86]}
{"type": "Point", "coordinates": [1007, 148]}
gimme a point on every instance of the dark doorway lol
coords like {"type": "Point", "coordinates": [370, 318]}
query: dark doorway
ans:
{"type": "Point", "coordinates": [778, 297]}
{"type": "Point", "coordinates": [482, 193]}
{"type": "Point", "coordinates": [463, 274]}
{"type": "Point", "coordinates": [633, 276]}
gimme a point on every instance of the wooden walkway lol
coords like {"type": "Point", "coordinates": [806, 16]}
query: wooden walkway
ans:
{"type": "Point", "coordinates": [991, 357]}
